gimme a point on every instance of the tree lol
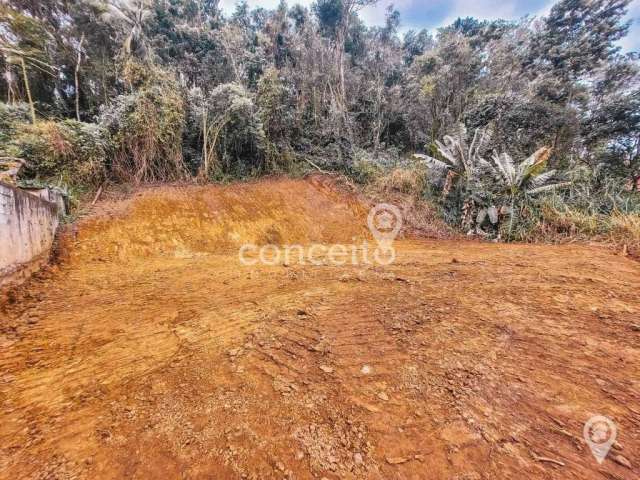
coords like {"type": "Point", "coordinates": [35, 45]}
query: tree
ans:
{"type": "Point", "coordinates": [416, 44]}
{"type": "Point", "coordinates": [335, 18]}
{"type": "Point", "coordinates": [463, 164]}
{"type": "Point", "coordinates": [322, 83]}
{"type": "Point", "coordinates": [526, 178]}
{"type": "Point", "coordinates": [445, 82]}
{"type": "Point", "coordinates": [23, 41]}
{"type": "Point", "coordinates": [578, 35]}
{"type": "Point", "coordinates": [232, 134]}
{"type": "Point", "coordinates": [129, 18]}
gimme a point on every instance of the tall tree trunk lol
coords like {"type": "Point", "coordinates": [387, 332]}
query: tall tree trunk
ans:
{"type": "Point", "coordinates": [560, 130]}
{"type": "Point", "coordinates": [28, 88]}
{"type": "Point", "coordinates": [342, 89]}
{"type": "Point", "coordinates": [77, 75]}
{"type": "Point", "coordinates": [377, 130]}
{"type": "Point", "coordinates": [204, 168]}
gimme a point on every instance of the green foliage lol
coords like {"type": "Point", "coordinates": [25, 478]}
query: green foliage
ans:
{"type": "Point", "coordinates": [228, 119]}
{"type": "Point", "coordinates": [416, 44]}
{"type": "Point", "coordinates": [597, 192]}
{"type": "Point", "coordinates": [12, 118]}
{"type": "Point", "coordinates": [184, 90]}
{"type": "Point", "coordinates": [519, 125]}
{"type": "Point", "coordinates": [563, 217]}
{"type": "Point", "coordinates": [487, 192]}
{"type": "Point", "coordinates": [275, 106]}
{"type": "Point", "coordinates": [66, 152]}
{"type": "Point", "coordinates": [578, 35]}
{"type": "Point", "coordinates": [528, 177]}
{"type": "Point", "coordinates": [241, 146]}
{"type": "Point", "coordinates": [329, 14]}
{"type": "Point", "coordinates": [365, 171]}
{"type": "Point", "coordinates": [592, 206]}
{"type": "Point", "coordinates": [147, 130]}
{"type": "Point", "coordinates": [30, 34]}
{"type": "Point", "coordinates": [275, 101]}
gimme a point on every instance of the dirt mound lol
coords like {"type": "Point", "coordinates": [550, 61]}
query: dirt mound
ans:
{"type": "Point", "coordinates": [194, 220]}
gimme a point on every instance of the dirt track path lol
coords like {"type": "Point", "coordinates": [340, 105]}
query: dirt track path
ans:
{"type": "Point", "coordinates": [460, 361]}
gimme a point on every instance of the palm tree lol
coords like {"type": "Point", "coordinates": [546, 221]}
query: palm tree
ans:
{"type": "Point", "coordinates": [129, 17]}
{"type": "Point", "coordinates": [457, 157]}
{"type": "Point", "coordinates": [463, 164]}
{"type": "Point", "coordinates": [526, 178]}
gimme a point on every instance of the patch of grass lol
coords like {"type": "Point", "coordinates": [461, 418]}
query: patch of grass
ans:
{"type": "Point", "coordinates": [555, 222]}
{"type": "Point", "coordinates": [407, 180]}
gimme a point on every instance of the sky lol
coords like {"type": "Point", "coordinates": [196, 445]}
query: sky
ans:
{"type": "Point", "coordinates": [431, 14]}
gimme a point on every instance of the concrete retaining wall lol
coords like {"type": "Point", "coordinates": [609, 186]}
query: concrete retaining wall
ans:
{"type": "Point", "coordinates": [28, 225]}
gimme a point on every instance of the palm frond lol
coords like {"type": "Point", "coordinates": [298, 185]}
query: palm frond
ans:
{"type": "Point", "coordinates": [547, 188]}
{"type": "Point", "coordinates": [506, 167]}
{"type": "Point", "coordinates": [542, 179]}
{"type": "Point", "coordinates": [474, 142]}
{"type": "Point", "coordinates": [447, 150]}
{"type": "Point", "coordinates": [484, 164]}
{"type": "Point", "coordinates": [534, 164]}
{"type": "Point", "coordinates": [432, 162]}
{"type": "Point", "coordinates": [480, 139]}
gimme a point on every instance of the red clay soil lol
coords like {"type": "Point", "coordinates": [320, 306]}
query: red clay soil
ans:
{"type": "Point", "coordinates": [150, 352]}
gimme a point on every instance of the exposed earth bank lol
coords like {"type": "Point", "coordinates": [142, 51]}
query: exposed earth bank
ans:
{"type": "Point", "coordinates": [150, 351]}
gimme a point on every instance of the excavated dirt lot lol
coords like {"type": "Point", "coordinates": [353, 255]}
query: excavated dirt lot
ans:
{"type": "Point", "coordinates": [150, 352]}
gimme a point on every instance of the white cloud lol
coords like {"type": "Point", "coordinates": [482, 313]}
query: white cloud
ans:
{"type": "Point", "coordinates": [481, 9]}
{"type": "Point", "coordinates": [375, 14]}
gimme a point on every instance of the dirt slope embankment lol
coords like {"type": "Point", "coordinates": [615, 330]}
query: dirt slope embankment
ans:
{"type": "Point", "coordinates": [151, 352]}
{"type": "Point", "coordinates": [174, 221]}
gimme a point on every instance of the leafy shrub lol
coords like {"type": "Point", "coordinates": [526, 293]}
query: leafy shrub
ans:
{"type": "Point", "coordinates": [147, 128]}
{"type": "Point", "coordinates": [276, 102]}
{"type": "Point", "coordinates": [519, 125]}
{"type": "Point", "coordinates": [241, 147]}
{"type": "Point", "coordinates": [12, 117]}
{"type": "Point", "coordinates": [364, 171]}
{"type": "Point", "coordinates": [597, 191]}
{"type": "Point", "coordinates": [235, 141]}
{"type": "Point", "coordinates": [69, 152]}
{"type": "Point", "coordinates": [595, 207]}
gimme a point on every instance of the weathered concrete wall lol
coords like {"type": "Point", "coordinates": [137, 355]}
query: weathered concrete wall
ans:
{"type": "Point", "coordinates": [27, 228]}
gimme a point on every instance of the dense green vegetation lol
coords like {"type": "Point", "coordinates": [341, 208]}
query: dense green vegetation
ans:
{"type": "Point", "coordinates": [161, 90]}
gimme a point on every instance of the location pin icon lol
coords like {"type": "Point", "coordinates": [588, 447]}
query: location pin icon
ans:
{"type": "Point", "coordinates": [384, 221]}
{"type": "Point", "coordinates": [600, 434]}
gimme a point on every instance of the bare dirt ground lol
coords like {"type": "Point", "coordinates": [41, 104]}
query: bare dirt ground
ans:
{"type": "Point", "coordinates": [149, 351]}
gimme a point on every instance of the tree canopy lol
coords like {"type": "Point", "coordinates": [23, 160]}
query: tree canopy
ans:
{"type": "Point", "coordinates": [318, 82]}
